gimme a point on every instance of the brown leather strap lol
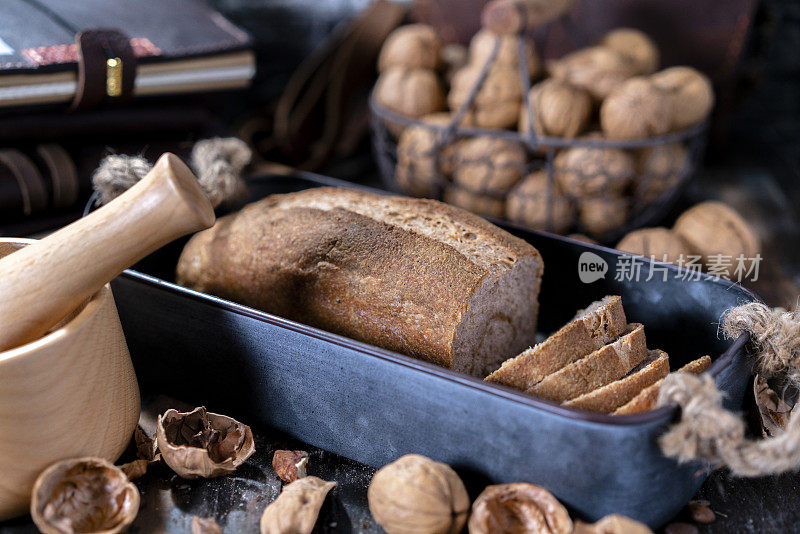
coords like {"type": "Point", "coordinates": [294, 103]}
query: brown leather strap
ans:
{"type": "Point", "coordinates": [30, 181]}
{"type": "Point", "coordinates": [106, 67]}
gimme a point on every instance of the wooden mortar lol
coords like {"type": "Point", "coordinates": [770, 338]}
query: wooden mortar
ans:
{"type": "Point", "coordinates": [67, 385]}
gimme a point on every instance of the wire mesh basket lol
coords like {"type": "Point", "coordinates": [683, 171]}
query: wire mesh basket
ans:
{"type": "Point", "coordinates": [590, 185]}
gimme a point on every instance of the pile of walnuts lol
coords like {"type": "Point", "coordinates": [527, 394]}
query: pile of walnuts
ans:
{"type": "Point", "coordinates": [611, 91]}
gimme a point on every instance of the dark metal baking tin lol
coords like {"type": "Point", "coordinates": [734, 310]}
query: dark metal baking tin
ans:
{"type": "Point", "coordinates": [373, 405]}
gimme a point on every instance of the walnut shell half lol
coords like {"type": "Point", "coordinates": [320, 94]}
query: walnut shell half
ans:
{"type": "Point", "coordinates": [296, 509]}
{"type": "Point", "coordinates": [518, 507]}
{"type": "Point", "coordinates": [83, 495]}
{"type": "Point", "coordinates": [415, 495]}
{"type": "Point", "coordinates": [203, 444]}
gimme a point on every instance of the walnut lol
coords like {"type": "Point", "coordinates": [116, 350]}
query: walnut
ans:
{"type": "Point", "coordinates": [661, 244]}
{"type": "Point", "coordinates": [518, 507]}
{"type": "Point", "coordinates": [690, 94]}
{"type": "Point", "coordinates": [290, 465]}
{"type": "Point", "coordinates": [559, 109]}
{"type": "Point", "coordinates": [636, 47]}
{"type": "Point", "coordinates": [415, 46]}
{"type": "Point", "coordinates": [598, 70]}
{"type": "Point", "coordinates": [659, 169]}
{"type": "Point", "coordinates": [612, 524]}
{"type": "Point", "coordinates": [488, 165]}
{"type": "Point", "coordinates": [583, 171]}
{"type": "Point", "coordinates": [634, 110]}
{"type": "Point", "coordinates": [529, 204]}
{"type": "Point", "coordinates": [83, 495]}
{"type": "Point", "coordinates": [409, 92]}
{"type": "Point", "coordinates": [135, 469]}
{"type": "Point", "coordinates": [203, 444]}
{"type": "Point", "coordinates": [454, 57]}
{"type": "Point", "coordinates": [482, 44]}
{"type": "Point", "coordinates": [485, 205]}
{"type": "Point", "coordinates": [498, 101]}
{"type": "Point", "coordinates": [601, 215]}
{"type": "Point", "coordinates": [415, 172]}
{"type": "Point", "coordinates": [712, 229]}
{"type": "Point", "coordinates": [515, 16]}
{"type": "Point", "coordinates": [414, 494]}
{"type": "Point", "coordinates": [297, 507]}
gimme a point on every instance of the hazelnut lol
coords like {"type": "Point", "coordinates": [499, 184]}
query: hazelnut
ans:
{"type": "Point", "coordinates": [290, 465]}
{"type": "Point", "coordinates": [497, 102]}
{"type": "Point", "coordinates": [661, 244]}
{"type": "Point", "coordinates": [414, 494]}
{"type": "Point", "coordinates": [713, 228]}
{"type": "Point", "coordinates": [634, 110]}
{"type": "Point", "coordinates": [83, 495]}
{"type": "Point", "coordinates": [584, 171]}
{"type": "Point", "coordinates": [297, 507]}
{"type": "Point", "coordinates": [659, 169]}
{"type": "Point", "coordinates": [488, 165]}
{"type": "Point", "coordinates": [415, 46]}
{"type": "Point", "coordinates": [203, 444]}
{"type": "Point", "coordinates": [635, 46]}
{"type": "Point", "coordinates": [530, 204]}
{"type": "Point", "coordinates": [558, 109]}
{"type": "Point", "coordinates": [518, 507]}
{"type": "Point", "coordinates": [598, 70]}
{"type": "Point", "coordinates": [485, 205]}
{"type": "Point", "coordinates": [689, 93]}
{"type": "Point", "coordinates": [601, 215]}
{"type": "Point", "coordinates": [613, 524]}
{"type": "Point", "coordinates": [415, 172]}
{"type": "Point", "coordinates": [409, 92]}
{"type": "Point", "coordinates": [482, 44]}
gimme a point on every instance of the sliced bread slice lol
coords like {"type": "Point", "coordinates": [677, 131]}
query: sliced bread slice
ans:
{"type": "Point", "coordinates": [599, 324]}
{"type": "Point", "coordinates": [606, 364]}
{"type": "Point", "coordinates": [647, 398]}
{"type": "Point", "coordinates": [611, 396]}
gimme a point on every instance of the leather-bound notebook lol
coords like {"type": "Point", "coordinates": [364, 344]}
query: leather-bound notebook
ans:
{"type": "Point", "coordinates": [87, 53]}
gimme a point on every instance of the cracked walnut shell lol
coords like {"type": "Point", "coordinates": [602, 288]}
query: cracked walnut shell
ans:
{"type": "Point", "coordinates": [636, 109]}
{"type": "Point", "coordinates": [203, 444]}
{"type": "Point", "coordinates": [414, 46]}
{"type": "Point", "coordinates": [416, 495]}
{"type": "Point", "coordinates": [83, 495]}
{"type": "Point", "coordinates": [520, 508]}
{"type": "Point", "coordinates": [296, 509]}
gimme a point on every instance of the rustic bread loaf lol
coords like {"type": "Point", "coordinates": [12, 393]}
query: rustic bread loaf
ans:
{"type": "Point", "coordinates": [602, 322]}
{"type": "Point", "coordinates": [646, 399]}
{"type": "Point", "coordinates": [611, 396]}
{"type": "Point", "coordinates": [601, 367]}
{"type": "Point", "coordinates": [415, 276]}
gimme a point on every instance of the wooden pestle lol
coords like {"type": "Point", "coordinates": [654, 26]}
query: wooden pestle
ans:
{"type": "Point", "coordinates": [43, 282]}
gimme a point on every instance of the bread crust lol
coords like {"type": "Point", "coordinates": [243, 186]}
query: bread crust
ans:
{"type": "Point", "coordinates": [603, 322]}
{"type": "Point", "coordinates": [611, 396]}
{"type": "Point", "coordinates": [609, 363]}
{"type": "Point", "coordinates": [311, 257]}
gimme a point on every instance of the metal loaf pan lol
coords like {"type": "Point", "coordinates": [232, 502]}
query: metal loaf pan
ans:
{"type": "Point", "coordinates": [373, 405]}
